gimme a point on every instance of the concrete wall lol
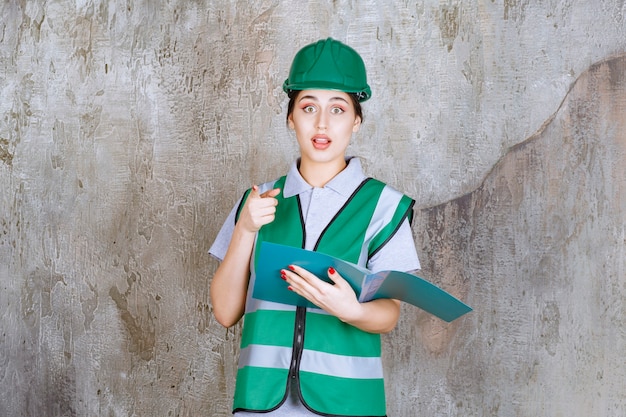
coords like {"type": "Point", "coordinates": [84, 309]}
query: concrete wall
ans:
{"type": "Point", "coordinates": [128, 129]}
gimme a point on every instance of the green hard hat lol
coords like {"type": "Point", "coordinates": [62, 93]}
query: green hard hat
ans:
{"type": "Point", "coordinates": [328, 65]}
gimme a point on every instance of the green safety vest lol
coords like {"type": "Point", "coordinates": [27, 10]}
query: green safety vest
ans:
{"type": "Point", "coordinates": [337, 367]}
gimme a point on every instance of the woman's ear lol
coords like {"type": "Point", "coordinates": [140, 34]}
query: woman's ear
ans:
{"type": "Point", "coordinates": [357, 124]}
{"type": "Point", "coordinates": [290, 122]}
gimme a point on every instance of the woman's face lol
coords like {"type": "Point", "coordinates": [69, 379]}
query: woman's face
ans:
{"type": "Point", "coordinates": [324, 121]}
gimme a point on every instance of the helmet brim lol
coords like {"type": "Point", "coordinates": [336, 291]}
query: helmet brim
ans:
{"type": "Point", "coordinates": [363, 94]}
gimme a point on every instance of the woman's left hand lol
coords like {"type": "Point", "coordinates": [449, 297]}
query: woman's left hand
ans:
{"type": "Point", "coordinates": [338, 300]}
{"type": "Point", "coordinates": [376, 316]}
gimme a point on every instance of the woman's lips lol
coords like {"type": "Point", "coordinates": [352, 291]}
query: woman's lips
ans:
{"type": "Point", "coordinates": [321, 142]}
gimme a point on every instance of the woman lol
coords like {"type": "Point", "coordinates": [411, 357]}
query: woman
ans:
{"type": "Point", "coordinates": [307, 361]}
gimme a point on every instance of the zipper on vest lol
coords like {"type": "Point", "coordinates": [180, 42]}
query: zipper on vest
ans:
{"type": "Point", "coordinates": [298, 346]}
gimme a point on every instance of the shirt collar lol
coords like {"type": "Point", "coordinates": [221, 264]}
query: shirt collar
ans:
{"type": "Point", "coordinates": [343, 183]}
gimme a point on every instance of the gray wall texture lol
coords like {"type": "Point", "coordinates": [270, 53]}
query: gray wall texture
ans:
{"type": "Point", "coordinates": [129, 128]}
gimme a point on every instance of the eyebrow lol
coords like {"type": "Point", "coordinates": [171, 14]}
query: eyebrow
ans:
{"type": "Point", "coordinates": [314, 98]}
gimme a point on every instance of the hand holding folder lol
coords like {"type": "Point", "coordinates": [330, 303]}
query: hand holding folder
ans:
{"type": "Point", "coordinates": [367, 285]}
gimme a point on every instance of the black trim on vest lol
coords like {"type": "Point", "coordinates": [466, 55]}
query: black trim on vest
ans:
{"type": "Point", "coordinates": [407, 215]}
{"type": "Point", "coordinates": [301, 221]}
{"type": "Point", "coordinates": [298, 347]}
{"type": "Point", "coordinates": [339, 211]}
{"type": "Point", "coordinates": [244, 197]}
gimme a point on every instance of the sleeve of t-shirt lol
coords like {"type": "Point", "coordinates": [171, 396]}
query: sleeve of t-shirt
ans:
{"type": "Point", "coordinates": [398, 254]}
{"type": "Point", "coordinates": [222, 240]}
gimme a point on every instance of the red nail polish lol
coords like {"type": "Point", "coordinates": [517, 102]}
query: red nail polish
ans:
{"type": "Point", "coordinates": [292, 268]}
{"type": "Point", "coordinates": [331, 270]}
{"type": "Point", "coordinates": [283, 275]}
{"type": "Point", "coordinates": [289, 288]}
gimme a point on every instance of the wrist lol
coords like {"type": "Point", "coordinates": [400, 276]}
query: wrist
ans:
{"type": "Point", "coordinates": [355, 315]}
{"type": "Point", "coordinates": [242, 228]}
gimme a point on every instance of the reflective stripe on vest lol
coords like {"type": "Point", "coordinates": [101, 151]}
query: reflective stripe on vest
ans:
{"type": "Point", "coordinates": [338, 366]}
{"type": "Point", "coordinates": [342, 366]}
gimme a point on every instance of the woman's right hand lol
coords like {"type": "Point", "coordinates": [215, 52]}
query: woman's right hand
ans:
{"type": "Point", "coordinates": [230, 282]}
{"type": "Point", "coordinates": [258, 210]}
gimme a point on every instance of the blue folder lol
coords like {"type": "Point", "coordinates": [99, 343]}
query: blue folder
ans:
{"type": "Point", "coordinates": [367, 285]}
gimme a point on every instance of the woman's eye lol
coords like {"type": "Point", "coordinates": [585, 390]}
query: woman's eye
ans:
{"type": "Point", "coordinates": [336, 110]}
{"type": "Point", "coordinates": [308, 109]}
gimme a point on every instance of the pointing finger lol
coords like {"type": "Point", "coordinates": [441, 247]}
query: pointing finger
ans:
{"type": "Point", "coordinates": [271, 193]}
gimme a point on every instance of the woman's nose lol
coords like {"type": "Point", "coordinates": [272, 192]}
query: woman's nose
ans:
{"type": "Point", "coordinates": [322, 121]}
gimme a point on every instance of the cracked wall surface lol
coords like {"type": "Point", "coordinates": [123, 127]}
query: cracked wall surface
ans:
{"type": "Point", "coordinates": [128, 130]}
